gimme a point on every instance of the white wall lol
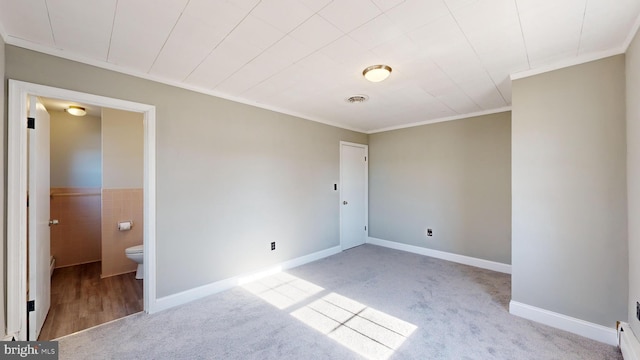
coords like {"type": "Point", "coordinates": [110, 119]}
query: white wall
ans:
{"type": "Point", "coordinates": [75, 150]}
{"type": "Point", "coordinates": [453, 177]}
{"type": "Point", "coordinates": [569, 192]}
{"type": "Point", "coordinates": [633, 176]}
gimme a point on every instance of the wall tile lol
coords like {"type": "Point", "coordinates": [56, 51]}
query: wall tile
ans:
{"type": "Point", "coordinates": [120, 205]}
{"type": "Point", "coordinates": [76, 239]}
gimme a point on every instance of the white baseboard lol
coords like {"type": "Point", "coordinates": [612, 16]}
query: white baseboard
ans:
{"type": "Point", "coordinates": [563, 322]}
{"type": "Point", "coordinates": [222, 285]}
{"type": "Point", "coordinates": [629, 345]}
{"type": "Point", "coordinates": [461, 259]}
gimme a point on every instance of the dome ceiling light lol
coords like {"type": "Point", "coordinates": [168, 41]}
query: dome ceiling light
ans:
{"type": "Point", "coordinates": [377, 73]}
{"type": "Point", "coordinates": [76, 110]}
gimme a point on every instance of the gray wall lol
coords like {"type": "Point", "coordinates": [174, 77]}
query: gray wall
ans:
{"type": "Point", "coordinates": [569, 191]}
{"type": "Point", "coordinates": [75, 150]}
{"type": "Point", "coordinates": [633, 177]}
{"type": "Point", "coordinates": [122, 149]}
{"type": "Point", "coordinates": [231, 178]}
{"type": "Point", "coordinates": [453, 177]}
{"type": "Point", "coordinates": [3, 219]}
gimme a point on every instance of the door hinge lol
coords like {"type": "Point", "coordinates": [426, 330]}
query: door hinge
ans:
{"type": "Point", "coordinates": [31, 123]}
{"type": "Point", "coordinates": [365, 228]}
{"type": "Point", "coordinates": [365, 159]}
{"type": "Point", "coordinates": [31, 305]}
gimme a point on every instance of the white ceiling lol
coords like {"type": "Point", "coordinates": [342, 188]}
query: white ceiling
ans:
{"type": "Point", "coordinates": [450, 58]}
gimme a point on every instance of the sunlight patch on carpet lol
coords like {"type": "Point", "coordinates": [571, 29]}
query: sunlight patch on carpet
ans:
{"type": "Point", "coordinates": [366, 331]}
{"type": "Point", "coordinates": [363, 330]}
{"type": "Point", "coordinates": [282, 290]}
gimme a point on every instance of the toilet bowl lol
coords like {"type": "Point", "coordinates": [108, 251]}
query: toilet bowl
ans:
{"type": "Point", "coordinates": [136, 253]}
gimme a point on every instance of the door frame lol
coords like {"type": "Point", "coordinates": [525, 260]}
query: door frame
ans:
{"type": "Point", "coordinates": [366, 189]}
{"type": "Point", "coordinates": [17, 190]}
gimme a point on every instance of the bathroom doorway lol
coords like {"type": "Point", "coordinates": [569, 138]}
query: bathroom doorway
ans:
{"type": "Point", "coordinates": [17, 270]}
{"type": "Point", "coordinates": [96, 173]}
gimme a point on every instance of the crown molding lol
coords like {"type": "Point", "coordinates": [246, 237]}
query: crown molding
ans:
{"type": "Point", "coordinates": [10, 40]}
{"type": "Point", "coordinates": [438, 120]}
{"type": "Point", "coordinates": [632, 34]}
{"type": "Point", "coordinates": [583, 59]}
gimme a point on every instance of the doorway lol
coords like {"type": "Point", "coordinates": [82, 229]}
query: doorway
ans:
{"type": "Point", "coordinates": [354, 167]}
{"type": "Point", "coordinates": [96, 182]}
{"type": "Point", "coordinates": [17, 194]}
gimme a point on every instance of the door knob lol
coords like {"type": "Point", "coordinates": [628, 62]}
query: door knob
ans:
{"type": "Point", "coordinates": [53, 222]}
{"type": "Point", "coordinates": [344, 202]}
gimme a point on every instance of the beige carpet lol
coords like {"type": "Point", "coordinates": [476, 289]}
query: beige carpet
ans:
{"type": "Point", "coordinates": [367, 302]}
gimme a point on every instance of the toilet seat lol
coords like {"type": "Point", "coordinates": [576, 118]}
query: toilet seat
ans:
{"type": "Point", "coordinates": [138, 249]}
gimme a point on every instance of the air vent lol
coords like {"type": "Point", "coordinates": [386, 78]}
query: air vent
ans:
{"type": "Point", "coordinates": [356, 99]}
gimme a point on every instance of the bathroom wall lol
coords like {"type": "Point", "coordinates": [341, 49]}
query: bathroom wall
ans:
{"type": "Point", "coordinates": [76, 238]}
{"type": "Point", "coordinates": [122, 149]}
{"type": "Point", "coordinates": [120, 205]}
{"type": "Point", "coordinates": [76, 159]}
{"type": "Point", "coordinates": [122, 193]}
{"type": "Point", "coordinates": [76, 176]}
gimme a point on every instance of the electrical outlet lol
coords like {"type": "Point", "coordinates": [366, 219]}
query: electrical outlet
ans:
{"type": "Point", "coordinates": [429, 232]}
{"type": "Point", "coordinates": [273, 246]}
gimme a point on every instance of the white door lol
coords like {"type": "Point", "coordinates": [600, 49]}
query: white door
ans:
{"type": "Point", "coordinates": [38, 233]}
{"type": "Point", "coordinates": [353, 194]}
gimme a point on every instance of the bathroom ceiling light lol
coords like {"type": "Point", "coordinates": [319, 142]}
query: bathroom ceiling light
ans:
{"type": "Point", "coordinates": [76, 111]}
{"type": "Point", "coordinates": [377, 73]}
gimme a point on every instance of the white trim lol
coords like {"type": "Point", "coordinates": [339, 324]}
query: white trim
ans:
{"type": "Point", "coordinates": [628, 342]}
{"type": "Point", "coordinates": [16, 193]}
{"type": "Point", "coordinates": [149, 198]}
{"type": "Point", "coordinates": [587, 329]}
{"type": "Point", "coordinates": [187, 296]}
{"type": "Point", "coordinates": [632, 34]}
{"type": "Point", "coordinates": [568, 63]}
{"type": "Point", "coordinates": [366, 189]}
{"type": "Point", "coordinates": [448, 118]}
{"type": "Point", "coordinates": [461, 259]}
{"type": "Point", "coordinates": [10, 40]}
{"type": "Point", "coordinates": [16, 213]}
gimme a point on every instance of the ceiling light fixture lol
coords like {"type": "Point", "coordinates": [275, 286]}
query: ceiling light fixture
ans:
{"type": "Point", "coordinates": [76, 111]}
{"type": "Point", "coordinates": [377, 73]}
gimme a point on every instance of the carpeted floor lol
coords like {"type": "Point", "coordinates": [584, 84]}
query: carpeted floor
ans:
{"type": "Point", "coordinates": [367, 302]}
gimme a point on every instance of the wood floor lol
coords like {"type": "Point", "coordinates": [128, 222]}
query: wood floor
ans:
{"type": "Point", "coordinates": [80, 299]}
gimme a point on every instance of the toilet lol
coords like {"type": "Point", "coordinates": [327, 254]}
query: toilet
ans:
{"type": "Point", "coordinates": [135, 253]}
